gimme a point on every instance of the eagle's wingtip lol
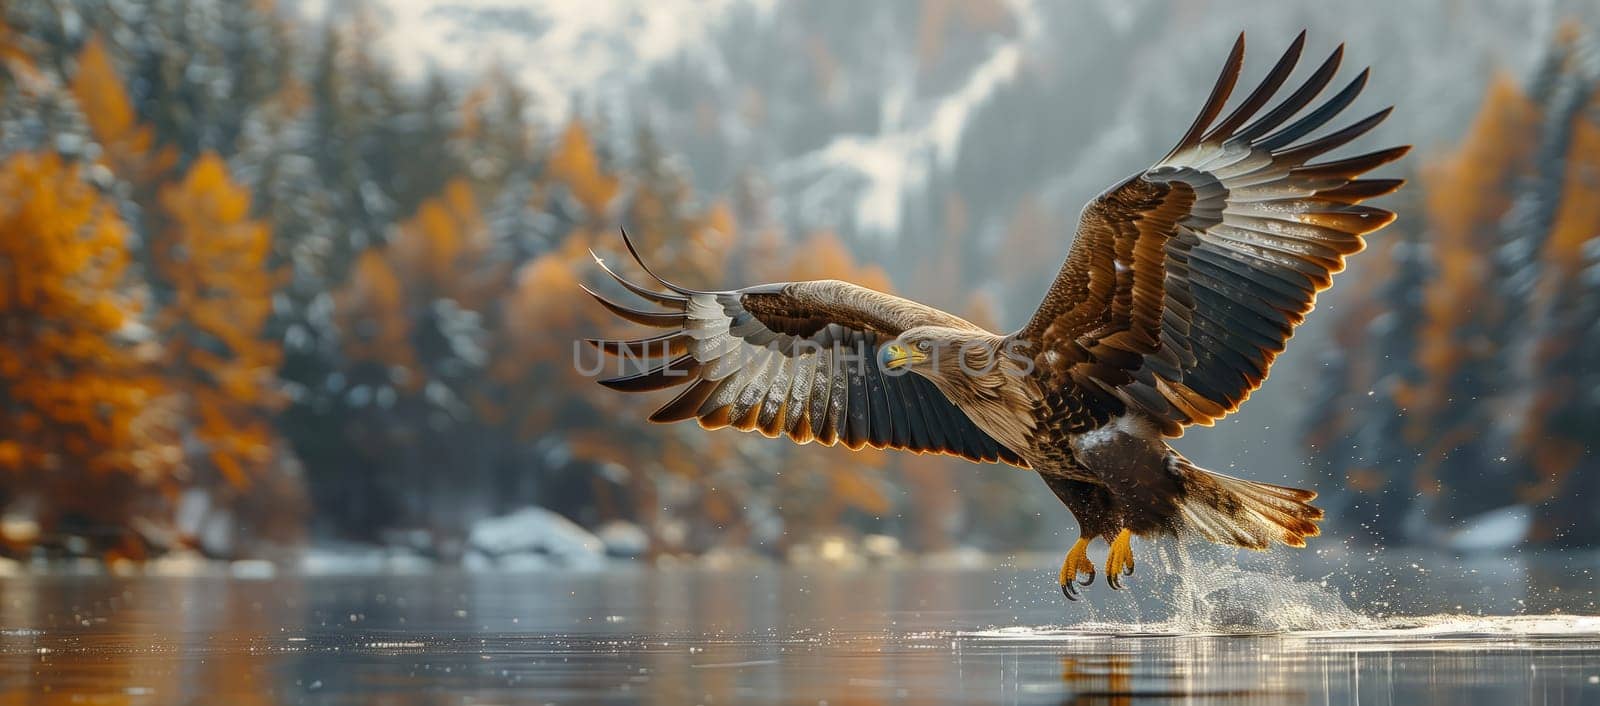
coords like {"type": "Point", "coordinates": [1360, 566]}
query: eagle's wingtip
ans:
{"type": "Point", "coordinates": [633, 251]}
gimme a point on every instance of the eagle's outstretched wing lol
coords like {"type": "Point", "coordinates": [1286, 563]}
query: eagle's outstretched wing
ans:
{"type": "Point", "coordinates": [796, 359]}
{"type": "Point", "coordinates": [1187, 279]}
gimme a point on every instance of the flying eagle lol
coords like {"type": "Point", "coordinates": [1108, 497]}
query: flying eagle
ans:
{"type": "Point", "coordinates": [1182, 285]}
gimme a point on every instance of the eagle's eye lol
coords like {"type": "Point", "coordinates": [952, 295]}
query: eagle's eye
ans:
{"type": "Point", "coordinates": [923, 346]}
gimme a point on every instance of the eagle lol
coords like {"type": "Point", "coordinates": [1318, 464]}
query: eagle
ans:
{"type": "Point", "coordinates": [1182, 284]}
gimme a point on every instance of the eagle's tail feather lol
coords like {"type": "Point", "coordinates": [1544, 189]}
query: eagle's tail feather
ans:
{"type": "Point", "coordinates": [1244, 513]}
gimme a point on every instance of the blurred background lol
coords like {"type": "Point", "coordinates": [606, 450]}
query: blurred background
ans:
{"type": "Point", "coordinates": [297, 280]}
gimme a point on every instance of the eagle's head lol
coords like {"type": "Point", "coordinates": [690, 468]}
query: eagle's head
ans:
{"type": "Point", "coordinates": [979, 371]}
{"type": "Point", "coordinates": [947, 356]}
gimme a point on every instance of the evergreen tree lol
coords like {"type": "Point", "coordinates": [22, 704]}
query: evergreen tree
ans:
{"type": "Point", "coordinates": [1385, 509]}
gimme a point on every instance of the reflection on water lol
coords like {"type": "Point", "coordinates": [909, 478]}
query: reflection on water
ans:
{"type": "Point", "coordinates": [784, 635]}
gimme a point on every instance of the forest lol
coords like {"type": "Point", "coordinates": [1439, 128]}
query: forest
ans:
{"type": "Point", "coordinates": [258, 291]}
{"type": "Point", "coordinates": [1464, 375]}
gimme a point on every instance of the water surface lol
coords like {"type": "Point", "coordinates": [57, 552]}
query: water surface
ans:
{"type": "Point", "coordinates": [1377, 629]}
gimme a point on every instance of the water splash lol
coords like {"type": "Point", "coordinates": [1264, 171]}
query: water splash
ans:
{"type": "Point", "coordinates": [1212, 590]}
{"type": "Point", "coordinates": [1196, 587]}
{"type": "Point", "coordinates": [1334, 593]}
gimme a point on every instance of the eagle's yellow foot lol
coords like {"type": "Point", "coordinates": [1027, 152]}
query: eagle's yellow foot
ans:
{"type": "Point", "coordinates": [1077, 562]}
{"type": "Point", "coordinates": [1119, 561]}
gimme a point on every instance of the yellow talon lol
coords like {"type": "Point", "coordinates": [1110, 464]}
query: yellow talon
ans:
{"type": "Point", "coordinates": [1119, 561]}
{"type": "Point", "coordinates": [1077, 562]}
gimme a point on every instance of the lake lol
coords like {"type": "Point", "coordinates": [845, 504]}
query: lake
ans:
{"type": "Point", "coordinates": [1339, 627]}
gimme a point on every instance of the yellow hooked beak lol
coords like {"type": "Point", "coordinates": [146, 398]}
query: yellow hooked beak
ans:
{"type": "Point", "coordinates": [896, 355]}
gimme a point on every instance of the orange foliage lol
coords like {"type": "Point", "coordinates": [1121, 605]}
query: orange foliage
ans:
{"type": "Point", "coordinates": [293, 97]}
{"type": "Point", "coordinates": [542, 318]}
{"type": "Point", "coordinates": [693, 251]}
{"type": "Point", "coordinates": [1578, 218]}
{"type": "Point", "coordinates": [824, 255]}
{"type": "Point", "coordinates": [575, 164]}
{"type": "Point", "coordinates": [374, 315]}
{"type": "Point", "coordinates": [13, 58]}
{"type": "Point", "coordinates": [213, 257]}
{"type": "Point", "coordinates": [816, 485]}
{"type": "Point", "coordinates": [1467, 190]}
{"type": "Point", "coordinates": [1467, 194]}
{"type": "Point", "coordinates": [546, 297]}
{"type": "Point", "coordinates": [710, 240]}
{"type": "Point", "coordinates": [441, 252]}
{"type": "Point", "coordinates": [1556, 393]}
{"type": "Point", "coordinates": [100, 94]}
{"type": "Point", "coordinates": [442, 249]}
{"type": "Point", "coordinates": [930, 483]}
{"type": "Point", "coordinates": [473, 105]}
{"type": "Point", "coordinates": [72, 395]}
{"type": "Point", "coordinates": [493, 96]}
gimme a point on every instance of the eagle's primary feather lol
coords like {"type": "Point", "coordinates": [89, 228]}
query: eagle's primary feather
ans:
{"type": "Point", "coordinates": [1182, 285]}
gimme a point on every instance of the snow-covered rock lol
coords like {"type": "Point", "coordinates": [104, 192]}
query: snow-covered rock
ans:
{"type": "Point", "coordinates": [349, 558]}
{"type": "Point", "coordinates": [252, 569]}
{"type": "Point", "coordinates": [624, 539]}
{"type": "Point", "coordinates": [1496, 529]}
{"type": "Point", "coordinates": [508, 539]}
{"type": "Point", "coordinates": [880, 547]}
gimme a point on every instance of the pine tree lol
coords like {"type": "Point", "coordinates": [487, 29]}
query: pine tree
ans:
{"type": "Point", "coordinates": [1476, 479]}
{"type": "Point", "coordinates": [1562, 295]}
{"type": "Point", "coordinates": [413, 321]}
{"type": "Point", "coordinates": [1380, 433]}
{"type": "Point", "coordinates": [1471, 366]}
{"type": "Point", "coordinates": [201, 67]}
{"type": "Point", "coordinates": [1466, 197]}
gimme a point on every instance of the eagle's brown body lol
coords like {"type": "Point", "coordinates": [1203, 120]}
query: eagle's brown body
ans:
{"type": "Point", "coordinates": [1183, 283]}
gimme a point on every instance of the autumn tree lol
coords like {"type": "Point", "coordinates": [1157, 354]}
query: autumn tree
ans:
{"type": "Point", "coordinates": [127, 146]}
{"type": "Point", "coordinates": [82, 440]}
{"type": "Point", "coordinates": [208, 264]}
{"type": "Point", "coordinates": [211, 258]}
{"type": "Point", "coordinates": [575, 167]}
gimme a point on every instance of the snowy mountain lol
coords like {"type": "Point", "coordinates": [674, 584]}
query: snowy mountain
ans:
{"type": "Point", "coordinates": [846, 110]}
